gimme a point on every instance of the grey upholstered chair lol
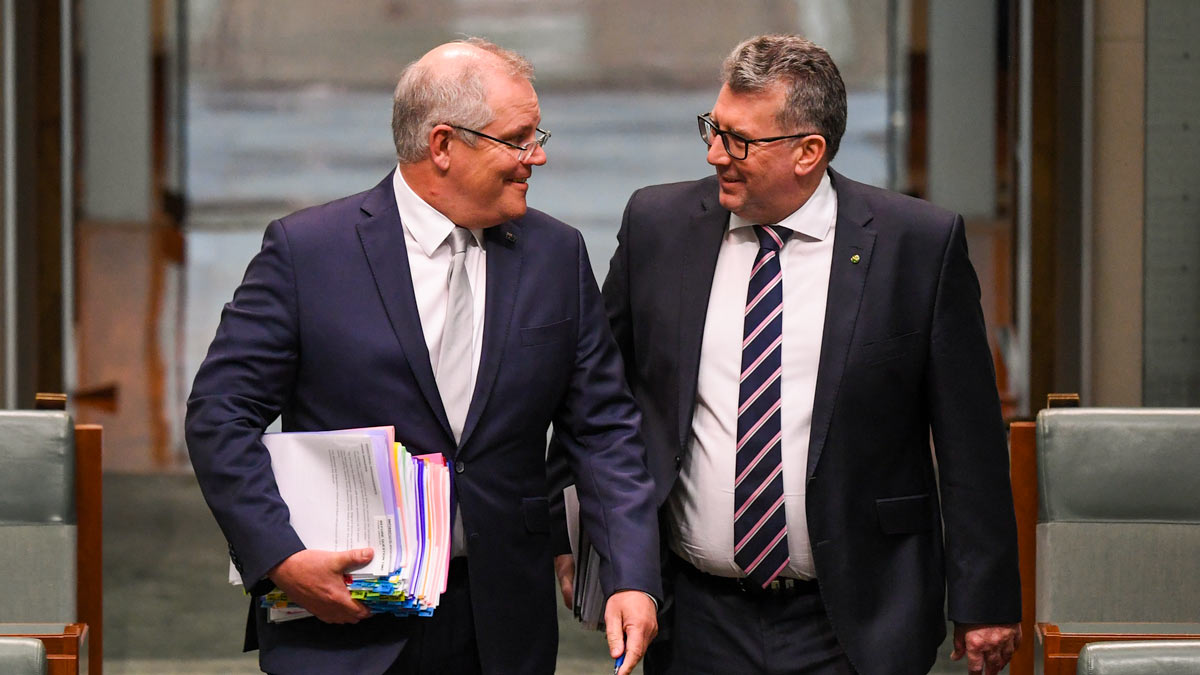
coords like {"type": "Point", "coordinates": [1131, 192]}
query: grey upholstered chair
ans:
{"type": "Point", "coordinates": [1140, 657]}
{"type": "Point", "coordinates": [1118, 533]}
{"type": "Point", "coordinates": [37, 517]}
{"type": "Point", "coordinates": [22, 656]}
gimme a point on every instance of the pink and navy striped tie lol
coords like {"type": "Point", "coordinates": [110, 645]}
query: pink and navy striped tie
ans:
{"type": "Point", "coordinates": [759, 521]}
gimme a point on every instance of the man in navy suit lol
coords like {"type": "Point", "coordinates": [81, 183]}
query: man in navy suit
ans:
{"type": "Point", "coordinates": [437, 303]}
{"type": "Point", "coordinates": [796, 341]}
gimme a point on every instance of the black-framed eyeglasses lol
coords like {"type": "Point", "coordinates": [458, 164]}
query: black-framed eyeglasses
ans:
{"type": "Point", "coordinates": [540, 137]}
{"type": "Point", "coordinates": [735, 145]}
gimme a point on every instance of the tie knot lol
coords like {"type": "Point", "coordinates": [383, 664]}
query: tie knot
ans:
{"type": "Point", "coordinates": [771, 237]}
{"type": "Point", "coordinates": [459, 238]}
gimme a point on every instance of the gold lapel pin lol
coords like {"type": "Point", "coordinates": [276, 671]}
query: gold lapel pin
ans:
{"type": "Point", "coordinates": [854, 258]}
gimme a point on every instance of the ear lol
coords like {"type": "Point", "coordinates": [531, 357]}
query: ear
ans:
{"type": "Point", "coordinates": [810, 155]}
{"type": "Point", "coordinates": [439, 146]}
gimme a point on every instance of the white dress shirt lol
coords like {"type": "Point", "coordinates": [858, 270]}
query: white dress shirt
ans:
{"type": "Point", "coordinates": [700, 506]}
{"type": "Point", "coordinates": [426, 239]}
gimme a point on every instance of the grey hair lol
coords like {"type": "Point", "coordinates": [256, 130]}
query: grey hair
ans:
{"type": "Point", "coordinates": [815, 99]}
{"type": "Point", "coordinates": [423, 100]}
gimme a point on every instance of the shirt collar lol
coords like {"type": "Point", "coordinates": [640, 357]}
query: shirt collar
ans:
{"type": "Point", "coordinates": [814, 219]}
{"type": "Point", "coordinates": [426, 224]}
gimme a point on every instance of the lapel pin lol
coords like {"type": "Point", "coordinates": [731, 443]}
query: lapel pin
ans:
{"type": "Point", "coordinates": [510, 237]}
{"type": "Point", "coordinates": [854, 258]}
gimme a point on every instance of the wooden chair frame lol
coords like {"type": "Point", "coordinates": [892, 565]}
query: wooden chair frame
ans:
{"type": "Point", "coordinates": [89, 512]}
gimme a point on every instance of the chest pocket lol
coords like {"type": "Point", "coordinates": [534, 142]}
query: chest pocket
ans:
{"type": "Point", "coordinates": [874, 353]}
{"type": "Point", "coordinates": [547, 334]}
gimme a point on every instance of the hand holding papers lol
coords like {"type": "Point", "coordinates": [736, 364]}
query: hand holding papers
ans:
{"type": "Point", "coordinates": [314, 580]}
{"type": "Point", "coordinates": [352, 490]}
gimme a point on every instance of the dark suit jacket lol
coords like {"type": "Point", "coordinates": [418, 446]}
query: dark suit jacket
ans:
{"type": "Point", "coordinates": [904, 354]}
{"type": "Point", "coordinates": [324, 331]}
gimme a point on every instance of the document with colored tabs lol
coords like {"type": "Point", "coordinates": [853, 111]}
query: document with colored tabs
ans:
{"type": "Point", "coordinates": [358, 488]}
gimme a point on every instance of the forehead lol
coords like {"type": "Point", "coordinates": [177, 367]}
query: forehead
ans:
{"type": "Point", "coordinates": [749, 113]}
{"type": "Point", "coordinates": [514, 102]}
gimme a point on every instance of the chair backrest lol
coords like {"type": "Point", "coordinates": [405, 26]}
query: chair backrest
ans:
{"type": "Point", "coordinates": [22, 656]}
{"type": "Point", "coordinates": [1140, 657]}
{"type": "Point", "coordinates": [37, 517]}
{"type": "Point", "coordinates": [1118, 534]}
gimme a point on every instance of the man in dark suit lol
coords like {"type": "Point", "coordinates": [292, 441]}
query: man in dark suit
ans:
{"type": "Point", "coordinates": [796, 341]}
{"type": "Point", "coordinates": [434, 302]}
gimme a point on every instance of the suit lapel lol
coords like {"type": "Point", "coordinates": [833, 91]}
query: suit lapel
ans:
{"type": "Point", "coordinates": [382, 238]}
{"type": "Point", "coordinates": [503, 280]}
{"type": "Point", "coordinates": [700, 244]}
{"type": "Point", "coordinates": [852, 237]}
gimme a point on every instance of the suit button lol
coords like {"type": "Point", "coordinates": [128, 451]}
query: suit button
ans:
{"type": "Point", "coordinates": [678, 462]}
{"type": "Point", "coordinates": [460, 467]}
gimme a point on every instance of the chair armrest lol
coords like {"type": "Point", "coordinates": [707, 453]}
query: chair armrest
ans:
{"type": "Point", "coordinates": [1141, 657]}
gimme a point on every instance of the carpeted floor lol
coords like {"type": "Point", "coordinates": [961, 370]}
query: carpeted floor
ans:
{"type": "Point", "coordinates": [168, 608]}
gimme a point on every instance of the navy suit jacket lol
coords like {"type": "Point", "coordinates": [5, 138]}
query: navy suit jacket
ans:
{"type": "Point", "coordinates": [904, 357]}
{"type": "Point", "coordinates": [324, 331]}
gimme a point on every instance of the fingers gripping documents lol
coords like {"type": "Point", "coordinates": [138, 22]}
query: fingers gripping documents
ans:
{"type": "Point", "coordinates": [364, 508]}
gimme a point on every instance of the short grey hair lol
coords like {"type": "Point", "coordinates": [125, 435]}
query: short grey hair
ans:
{"type": "Point", "coordinates": [815, 99]}
{"type": "Point", "coordinates": [423, 100]}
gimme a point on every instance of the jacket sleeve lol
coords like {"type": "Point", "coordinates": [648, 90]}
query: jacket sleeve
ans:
{"type": "Point", "coordinates": [616, 305]}
{"type": "Point", "coordinates": [597, 427]}
{"type": "Point", "coordinates": [982, 577]}
{"type": "Point", "coordinates": [241, 387]}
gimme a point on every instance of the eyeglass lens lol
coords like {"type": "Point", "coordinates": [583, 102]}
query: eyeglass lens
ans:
{"type": "Point", "coordinates": [735, 145]}
{"type": "Point", "coordinates": [539, 140]}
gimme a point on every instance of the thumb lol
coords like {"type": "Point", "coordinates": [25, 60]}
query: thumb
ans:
{"type": "Point", "coordinates": [352, 560]}
{"type": "Point", "coordinates": [960, 647]}
{"type": "Point", "coordinates": [614, 631]}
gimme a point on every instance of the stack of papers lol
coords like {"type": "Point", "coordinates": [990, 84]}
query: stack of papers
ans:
{"type": "Point", "coordinates": [358, 488]}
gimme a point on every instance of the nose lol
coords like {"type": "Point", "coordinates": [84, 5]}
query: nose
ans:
{"type": "Point", "coordinates": [717, 155]}
{"type": "Point", "coordinates": [537, 157]}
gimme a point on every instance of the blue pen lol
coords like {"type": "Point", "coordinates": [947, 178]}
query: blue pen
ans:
{"type": "Point", "coordinates": [617, 665]}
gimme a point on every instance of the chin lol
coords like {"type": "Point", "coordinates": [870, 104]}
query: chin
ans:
{"type": "Point", "coordinates": [514, 211]}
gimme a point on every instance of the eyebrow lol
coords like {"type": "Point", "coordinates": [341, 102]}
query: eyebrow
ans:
{"type": "Point", "coordinates": [522, 132]}
{"type": "Point", "coordinates": [733, 130]}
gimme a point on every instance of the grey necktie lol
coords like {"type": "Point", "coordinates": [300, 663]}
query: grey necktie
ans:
{"type": "Point", "coordinates": [455, 357]}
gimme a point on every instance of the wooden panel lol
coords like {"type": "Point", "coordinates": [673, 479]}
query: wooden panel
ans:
{"type": "Point", "coordinates": [89, 604]}
{"type": "Point", "coordinates": [1023, 470]}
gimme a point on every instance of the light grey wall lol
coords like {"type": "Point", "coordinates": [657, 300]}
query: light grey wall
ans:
{"type": "Point", "coordinates": [116, 110]}
{"type": "Point", "coordinates": [962, 106]}
{"type": "Point", "coordinates": [1171, 375]}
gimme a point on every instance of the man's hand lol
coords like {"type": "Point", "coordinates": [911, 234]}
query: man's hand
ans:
{"type": "Point", "coordinates": [564, 569]}
{"type": "Point", "coordinates": [988, 647]}
{"type": "Point", "coordinates": [630, 623]}
{"type": "Point", "coordinates": [313, 580]}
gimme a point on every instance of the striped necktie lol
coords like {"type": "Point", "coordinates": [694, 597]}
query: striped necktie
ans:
{"type": "Point", "coordinates": [759, 521]}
